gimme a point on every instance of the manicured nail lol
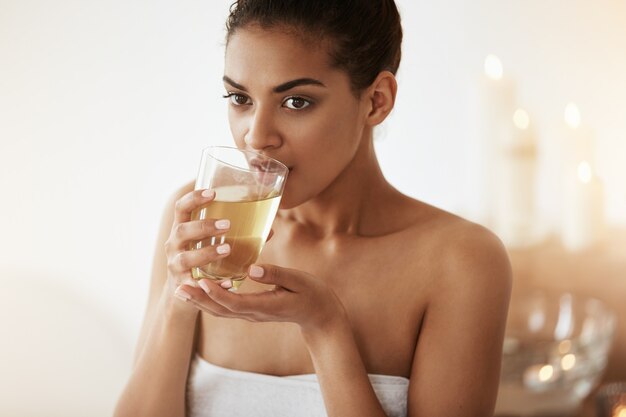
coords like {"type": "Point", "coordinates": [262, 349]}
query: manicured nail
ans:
{"type": "Point", "coordinates": [256, 271]}
{"type": "Point", "coordinates": [222, 224]}
{"type": "Point", "coordinates": [202, 283]}
{"type": "Point", "coordinates": [208, 193]}
{"type": "Point", "coordinates": [182, 294]}
{"type": "Point", "coordinates": [223, 249]}
{"type": "Point", "coordinates": [226, 284]}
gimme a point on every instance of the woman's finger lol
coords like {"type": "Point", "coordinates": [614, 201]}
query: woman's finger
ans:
{"type": "Point", "coordinates": [195, 230]}
{"type": "Point", "coordinates": [189, 202]}
{"type": "Point", "coordinates": [257, 305]}
{"type": "Point", "coordinates": [202, 301]}
{"type": "Point", "coordinates": [289, 279]}
{"type": "Point", "coordinates": [185, 260]}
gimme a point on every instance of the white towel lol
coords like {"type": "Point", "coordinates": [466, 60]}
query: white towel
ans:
{"type": "Point", "coordinates": [213, 391]}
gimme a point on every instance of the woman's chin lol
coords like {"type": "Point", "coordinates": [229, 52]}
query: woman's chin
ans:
{"type": "Point", "coordinates": [291, 198]}
{"type": "Point", "coordinates": [287, 203]}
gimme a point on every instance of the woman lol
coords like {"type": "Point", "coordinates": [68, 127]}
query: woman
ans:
{"type": "Point", "coordinates": [367, 280]}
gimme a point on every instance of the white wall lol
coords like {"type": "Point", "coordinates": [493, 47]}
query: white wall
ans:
{"type": "Point", "coordinates": [105, 105]}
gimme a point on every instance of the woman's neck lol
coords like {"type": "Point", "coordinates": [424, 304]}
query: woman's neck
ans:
{"type": "Point", "coordinates": [352, 203]}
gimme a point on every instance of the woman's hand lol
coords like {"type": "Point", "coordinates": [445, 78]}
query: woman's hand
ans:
{"type": "Point", "coordinates": [298, 297]}
{"type": "Point", "coordinates": [180, 259]}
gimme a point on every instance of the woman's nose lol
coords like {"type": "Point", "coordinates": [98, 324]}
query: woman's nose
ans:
{"type": "Point", "coordinates": [262, 133]}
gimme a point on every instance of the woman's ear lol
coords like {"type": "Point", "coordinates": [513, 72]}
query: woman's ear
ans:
{"type": "Point", "coordinates": [381, 97]}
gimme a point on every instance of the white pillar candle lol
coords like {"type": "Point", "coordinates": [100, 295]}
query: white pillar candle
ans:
{"type": "Point", "coordinates": [583, 213]}
{"type": "Point", "coordinates": [515, 220]}
{"type": "Point", "coordinates": [583, 209]}
{"type": "Point", "coordinates": [579, 144]}
{"type": "Point", "coordinates": [495, 103]}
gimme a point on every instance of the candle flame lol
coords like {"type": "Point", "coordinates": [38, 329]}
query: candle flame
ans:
{"type": "Point", "coordinates": [493, 67]}
{"type": "Point", "coordinates": [572, 115]}
{"type": "Point", "coordinates": [565, 346]}
{"type": "Point", "coordinates": [568, 361]}
{"type": "Point", "coordinates": [521, 119]}
{"type": "Point", "coordinates": [584, 172]}
{"type": "Point", "coordinates": [545, 373]}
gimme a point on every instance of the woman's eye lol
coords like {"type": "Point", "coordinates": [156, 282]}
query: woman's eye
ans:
{"type": "Point", "coordinates": [238, 99]}
{"type": "Point", "coordinates": [296, 103]}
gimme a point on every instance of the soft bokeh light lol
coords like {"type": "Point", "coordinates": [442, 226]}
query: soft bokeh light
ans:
{"type": "Point", "coordinates": [620, 411]}
{"type": "Point", "coordinates": [568, 361]}
{"type": "Point", "coordinates": [521, 119]}
{"type": "Point", "coordinates": [546, 372]}
{"type": "Point", "coordinates": [585, 174]}
{"type": "Point", "coordinates": [572, 115]}
{"type": "Point", "coordinates": [493, 67]}
{"type": "Point", "coordinates": [565, 346]}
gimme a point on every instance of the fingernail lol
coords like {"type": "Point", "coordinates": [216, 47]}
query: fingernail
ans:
{"type": "Point", "coordinates": [208, 193]}
{"type": "Point", "coordinates": [182, 294]}
{"type": "Point", "coordinates": [223, 249]}
{"type": "Point", "coordinates": [256, 271]}
{"type": "Point", "coordinates": [226, 284]}
{"type": "Point", "coordinates": [222, 224]}
{"type": "Point", "coordinates": [202, 283]}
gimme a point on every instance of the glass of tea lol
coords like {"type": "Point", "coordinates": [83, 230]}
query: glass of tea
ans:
{"type": "Point", "coordinates": [248, 188]}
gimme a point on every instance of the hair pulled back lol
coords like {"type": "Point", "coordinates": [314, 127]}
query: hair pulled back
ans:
{"type": "Point", "coordinates": [365, 36]}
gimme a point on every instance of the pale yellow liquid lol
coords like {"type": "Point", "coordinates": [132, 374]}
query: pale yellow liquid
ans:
{"type": "Point", "coordinates": [250, 224]}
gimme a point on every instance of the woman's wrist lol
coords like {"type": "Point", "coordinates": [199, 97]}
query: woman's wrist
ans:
{"type": "Point", "coordinates": [325, 331]}
{"type": "Point", "coordinates": [175, 308]}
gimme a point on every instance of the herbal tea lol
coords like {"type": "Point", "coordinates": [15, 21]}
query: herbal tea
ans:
{"type": "Point", "coordinates": [250, 224]}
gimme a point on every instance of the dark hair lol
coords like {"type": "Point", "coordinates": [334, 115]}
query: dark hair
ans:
{"type": "Point", "coordinates": [365, 35]}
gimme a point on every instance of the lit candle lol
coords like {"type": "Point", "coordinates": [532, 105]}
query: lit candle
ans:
{"type": "Point", "coordinates": [515, 213]}
{"type": "Point", "coordinates": [579, 138]}
{"type": "Point", "coordinates": [583, 211]}
{"type": "Point", "coordinates": [495, 103]}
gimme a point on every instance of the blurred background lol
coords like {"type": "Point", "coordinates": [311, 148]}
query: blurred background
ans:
{"type": "Point", "coordinates": [510, 113]}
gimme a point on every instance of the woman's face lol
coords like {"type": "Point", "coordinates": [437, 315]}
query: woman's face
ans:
{"type": "Point", "coordinates": [287, 102]}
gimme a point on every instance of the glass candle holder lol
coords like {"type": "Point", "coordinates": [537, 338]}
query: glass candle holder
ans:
{"type": "Point", "coordinates": [555, 350]}
{"type": "Point", "coordinates": [611, 400]}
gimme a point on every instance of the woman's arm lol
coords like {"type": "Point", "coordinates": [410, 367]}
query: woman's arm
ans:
{"type": "Point", "coordinates": [456, 367]}
{"type": "Point", "coordinates": [158, 381]}
{"type": "Point", "coordinates": [343, 379]}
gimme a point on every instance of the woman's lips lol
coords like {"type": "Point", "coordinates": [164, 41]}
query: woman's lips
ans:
{"type": "Point", "coordinates": [263, 166]}
{"type": "Point", "coordinates": [260, 165]}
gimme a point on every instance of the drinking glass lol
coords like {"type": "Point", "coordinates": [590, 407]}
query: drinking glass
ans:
{"type": "Point", "coordinates": [248, 187]}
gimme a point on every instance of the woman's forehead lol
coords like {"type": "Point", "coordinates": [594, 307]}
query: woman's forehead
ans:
{"type": "Point", "coordinates": [270, 57]}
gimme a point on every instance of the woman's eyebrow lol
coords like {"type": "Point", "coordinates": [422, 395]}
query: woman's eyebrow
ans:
{"type": "Point", "coordinates": [234, 84]}
{"type": "Point", "coordinates": [281, 88]}
{"type": "Point", "coordinates": [296, 83]}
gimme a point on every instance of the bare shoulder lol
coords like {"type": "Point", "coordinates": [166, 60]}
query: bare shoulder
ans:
{"type": "Point", "coordinates": [465, 244]}
{"type": "Point", "coordinates": [472, 255]}
{"type": "Point", "coordinates": [460, 342]}
{"type": "Point", "coordinates": [456, 253]}
{"type": "Point", "coordinates": [471, 273]}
